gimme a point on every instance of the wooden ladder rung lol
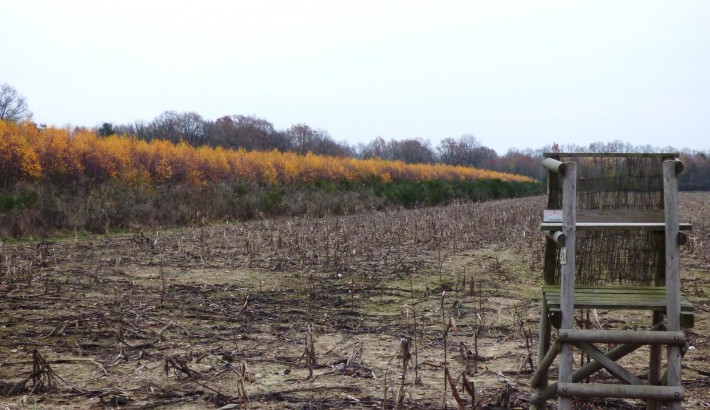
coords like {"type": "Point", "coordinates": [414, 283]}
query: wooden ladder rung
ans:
{"type": "Point", "coordinates": [621, 336]}
{"type": "Point", "coordinates": [621, 391]}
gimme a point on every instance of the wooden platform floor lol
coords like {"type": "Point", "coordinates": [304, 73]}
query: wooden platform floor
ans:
{"type": "Point", "coordinates": [618, 298]}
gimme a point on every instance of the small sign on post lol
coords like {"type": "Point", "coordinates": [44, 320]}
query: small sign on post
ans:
{"type": "Point", "coordinates": [563, 256]}
{"type": "Point", "coordinates": [552, 215]}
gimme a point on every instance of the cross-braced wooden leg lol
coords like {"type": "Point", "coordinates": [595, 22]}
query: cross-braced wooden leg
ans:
{"type": "Point", "coordinates": [654, 367]}
{"type": "Point", "coordinates": [543, 347]}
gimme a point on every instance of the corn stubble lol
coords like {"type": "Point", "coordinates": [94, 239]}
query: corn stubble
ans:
{"type": "Point", "coordinates": [359, 311]}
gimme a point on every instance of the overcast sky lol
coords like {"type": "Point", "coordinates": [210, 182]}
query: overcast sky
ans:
{"type": "Point", "coordinates": [514, 74]}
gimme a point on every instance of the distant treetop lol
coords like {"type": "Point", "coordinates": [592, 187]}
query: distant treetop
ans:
{"type": "Point", "coordinates": [12, 105]}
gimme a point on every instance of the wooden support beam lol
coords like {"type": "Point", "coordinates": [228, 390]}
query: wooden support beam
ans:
{"type": "Point", "coordinates": [683, 351]}
{"type": "Point", "coordinates": [611, 154]}
{"type": "Point", "coordinates": [673, 298]}
{"type": "Point", "coordinates": [654, 363]}
{"type": "Point", "coordinates": [558, 167]}
{"type": "Point", "coordinates": [568, 261]}
{"type": "Point", "coordinates": [588, 369]}
{"type": "Point", "coordinates": [614, 368]}
{"type": "Point", "coordinates": [556, 236]}
{"type": "Point", "coordinates": [541, 372]}
{"type": "Point", "coordinates": [642, 337]}
{"type": "Point", "coordinates": [679, 167]}
{"type": "Point", "coordinates": [616, 220]}
{"type": "Point", "coordinates": [545, 336]}
{"type": "Point", "coordinates": [621, 391]}
{"type": "Point", "coordinates": [585, 371]}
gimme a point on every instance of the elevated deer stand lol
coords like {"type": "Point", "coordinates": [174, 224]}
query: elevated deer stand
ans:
{"type": "Point", "coordinates": [613, 239]}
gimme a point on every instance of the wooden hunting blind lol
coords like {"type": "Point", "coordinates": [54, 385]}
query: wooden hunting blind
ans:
{"type": "Point", "coordinates": [613, 238]}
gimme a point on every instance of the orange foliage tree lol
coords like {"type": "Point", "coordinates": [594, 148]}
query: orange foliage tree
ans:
{"type": "Point", "coordinates": [18, 158]}
{"type": "Point", "coordinates": [28, 152]}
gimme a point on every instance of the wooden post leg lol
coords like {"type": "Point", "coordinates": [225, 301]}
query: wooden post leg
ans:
{"type": "Point", "coordinates": [565, 368]}
{"type": "Point", "coordinates": [543, 347]}
{"type": "Point", "coordinates": [670, 202]}
{"type": "Point", "coordinates": [569, 228]}
{"type": "Point", "coordinates": [654, 368]}
{"type": "Point", "coordinates": [673, 363]}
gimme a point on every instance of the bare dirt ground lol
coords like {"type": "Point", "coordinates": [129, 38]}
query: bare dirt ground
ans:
{"type": "Point", "coordinates": [363, 311]}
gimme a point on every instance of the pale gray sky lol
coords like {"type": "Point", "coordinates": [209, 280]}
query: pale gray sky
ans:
{"type": "Point", "coordinates": [517, 74]}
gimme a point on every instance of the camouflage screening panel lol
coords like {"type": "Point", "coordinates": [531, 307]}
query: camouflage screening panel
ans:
{"type": "Point", "coordinates": [612, 182]}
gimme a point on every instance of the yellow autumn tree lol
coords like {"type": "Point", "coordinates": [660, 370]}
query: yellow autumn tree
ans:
{"type": "Point", "coordinates": [28, 152]}
{"type": "Point", "coordinates": [18, 158]}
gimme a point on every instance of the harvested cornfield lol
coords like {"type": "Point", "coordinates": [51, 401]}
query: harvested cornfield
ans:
{"type": "Point", "coordinates": [401, 309]}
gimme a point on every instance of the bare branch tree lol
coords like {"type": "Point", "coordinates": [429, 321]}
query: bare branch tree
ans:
{"type": "Point", "coordinates": [174, 126]}
{"type": "Point", "coordinates": [12, 105]}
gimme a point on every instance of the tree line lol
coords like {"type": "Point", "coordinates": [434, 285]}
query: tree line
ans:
{"type": "Point", "coordinates": [57, 179]}
{"type": "Point", "coordinates": [28, 153]}
{"type": "Point", "coordinates": [253, 133]}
